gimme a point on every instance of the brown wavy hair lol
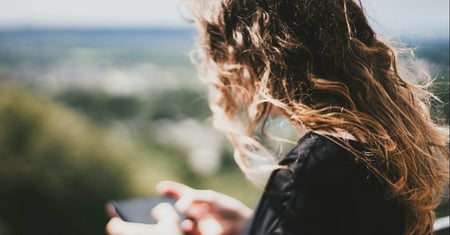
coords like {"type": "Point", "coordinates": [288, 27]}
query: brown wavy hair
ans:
{"type": "Point", "coordinates": [320, 64]}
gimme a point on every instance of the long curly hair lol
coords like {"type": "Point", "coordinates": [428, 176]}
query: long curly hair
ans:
{"type": "Point", "coordinates": [320, 64]}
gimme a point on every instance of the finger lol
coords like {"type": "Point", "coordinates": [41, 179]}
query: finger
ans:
{"type": "Point", "coordinates": [197, 211]}
{"type": "Point", "coordinates": [188, 227]}
{"type": "Point", "coordinates": [196, 197]}
{"type": "Point", "coordinates": [202, 202]}
{"type": "Point", "coordinates": [117, 226]}
{"type": "Point", "coordinates": [110, 210]}
{"type": "Point", "coordinates": [164, 213]}
{"type": "Point", "coordinates": [173, 189]}
{"type": "Point", "coordinates": [210, 226]}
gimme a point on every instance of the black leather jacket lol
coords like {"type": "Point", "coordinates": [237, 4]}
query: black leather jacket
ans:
{"type": "Point", "coordinates": [325, 191]}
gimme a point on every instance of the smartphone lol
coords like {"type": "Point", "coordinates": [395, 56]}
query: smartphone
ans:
{"type": "Point", "coordinates": [138, 209]}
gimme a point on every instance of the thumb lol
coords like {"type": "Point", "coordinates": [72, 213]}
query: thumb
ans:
{"type": "Point", "coordinates": [117, 226]}
{"type": "Point", "coordinates": [165, 213]}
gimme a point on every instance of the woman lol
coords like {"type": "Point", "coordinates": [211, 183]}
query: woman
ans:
{"type": "Point", "coordinates": [370, 159]}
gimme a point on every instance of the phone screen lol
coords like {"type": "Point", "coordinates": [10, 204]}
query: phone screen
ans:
{"type": "Point", "coordinates": [138, 209]}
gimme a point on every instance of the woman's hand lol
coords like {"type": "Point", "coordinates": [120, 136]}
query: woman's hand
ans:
{"type": "Point", "coordinates": [164, 213]}
{"type": "Point", "coordinates": [210, 213]}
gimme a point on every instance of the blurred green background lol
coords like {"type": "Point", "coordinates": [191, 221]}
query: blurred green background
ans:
{"type": "Point", "coordinates": [87, 116]}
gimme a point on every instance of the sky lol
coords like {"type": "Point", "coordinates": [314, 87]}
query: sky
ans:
{"type": "Point", "coordinates": [426, 18]}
